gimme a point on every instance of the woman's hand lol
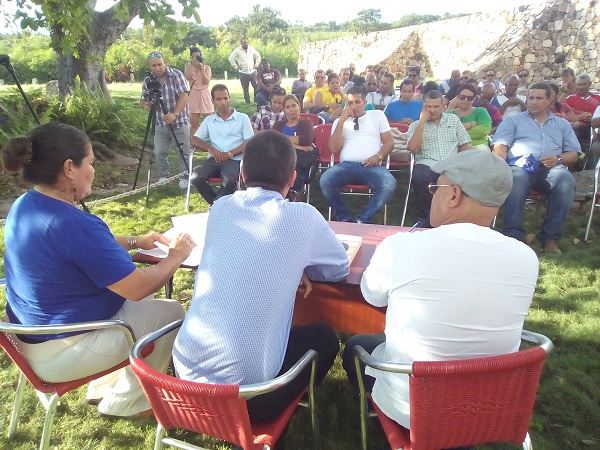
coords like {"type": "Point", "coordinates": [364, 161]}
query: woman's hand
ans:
{"type": "Point", "coordinates": [181, 246]}
{"type": "Point", "coordinates": [146, 241]}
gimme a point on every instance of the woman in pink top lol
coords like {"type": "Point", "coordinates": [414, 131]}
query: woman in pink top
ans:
{"type": "Point", "coordinates": [198, 75]}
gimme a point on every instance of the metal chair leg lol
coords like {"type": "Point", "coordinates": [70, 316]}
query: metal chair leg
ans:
{"type": "Point", "coordinates": [14, 418]}
{"type": "Point", "coordinates": [51, 405]}
{"type": "Point", "coordinates": [364, 411]}
{"type": "Point", "coordinates": [160, 434]}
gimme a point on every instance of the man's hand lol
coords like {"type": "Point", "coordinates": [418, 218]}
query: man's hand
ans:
{"type": "Point", "coordinates": [220, 157]}
{"type": "Point", "coordinates": [170, 118]}
{"type": "Point", "coordinates": [145, 104]}
{"type": "Point", "coordinates": [550, 161]}
{"type": "Point", "coordinates": [407, 121]}
{"type": "Point", "coordinates": [347, 112]}
{"type": "Point", "coordinates": [374, 160]}
{"type": "Point", "coordinates": [424, 116]}
{"type": "Point", "coordinates": [305, 286]}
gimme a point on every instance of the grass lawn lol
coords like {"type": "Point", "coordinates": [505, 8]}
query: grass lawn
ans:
{"type": "Point", "coordinates": [566, 307]}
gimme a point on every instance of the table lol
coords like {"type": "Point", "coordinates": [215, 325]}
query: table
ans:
{"type": "Point", "coordinates": [341, 304]}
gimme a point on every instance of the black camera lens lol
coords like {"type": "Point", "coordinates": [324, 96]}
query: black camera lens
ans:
{"type": "Point", "coordinates": [200, 59]}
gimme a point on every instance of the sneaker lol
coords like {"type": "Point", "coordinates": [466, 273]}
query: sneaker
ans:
{"type": "Point", "coordinates": [183, 183]}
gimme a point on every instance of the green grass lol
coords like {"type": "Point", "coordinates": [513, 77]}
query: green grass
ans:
{"type": "Point", "coordinates": [566, 308]}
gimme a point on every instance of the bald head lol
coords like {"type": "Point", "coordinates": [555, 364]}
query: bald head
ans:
{"type": "Point", "coordinates": [488, 91]}
{"type": "Point", "coordinates": [371, 83]}
{"type": "Point", "coordinates": [455, 76]}
{"type": "Point", "coordinates": [512, 84]}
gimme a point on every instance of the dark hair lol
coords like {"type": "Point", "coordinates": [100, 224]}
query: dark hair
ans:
{"type": "Point", "coordinates": [474, 81]}
{"type": "Point", "coordinates": [218, 87]}
{"type": "Point", "coordinates": [359, 81]}
{"type": "Point", "coordinates": [556, 90]}
{"type": "Point", "coordinates": [388, 75]}
{"type": "Point", "coordinates": [357, 90]}
{"type": "Point", "coordinates": [195, 50]}
{"type": "Point", "coordinates": [290, 97]}
{"type": "Point", "coordinates": [41, 155]}
{"type": "Point", "coordinates": [569, 72]}
{"type": "Point", "coordinates": [269, 160]}
{"type": "Point", "coordinates": [407, 81]}
{"type": "Point", "coordinates": [433, 94]}
{"type": "Point", "coordinates": [543, 86]}
{"type": "Point", "coordinates": [414, 69]}
{"type": "Point", "coordinates": [428, 87]}
{"type": "Point", "coordinates": [468, 87]}
{"type": "Point", "coordinates": [331, 76]}
{"type": "Point", "coordinates": [277, 90]}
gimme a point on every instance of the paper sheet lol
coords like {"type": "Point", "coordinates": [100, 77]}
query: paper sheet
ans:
{"type": "Point", "coordinates": [351, 244]}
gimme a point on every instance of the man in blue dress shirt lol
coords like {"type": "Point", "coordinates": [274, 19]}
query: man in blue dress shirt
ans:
{"type": "Point", "coordinates": [538, 146]}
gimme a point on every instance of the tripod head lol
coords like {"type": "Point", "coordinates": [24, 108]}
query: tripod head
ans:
{"type": "Point", "coordinates": [154, 88]}
{"type": "Point", "coordinates": [5, 61]}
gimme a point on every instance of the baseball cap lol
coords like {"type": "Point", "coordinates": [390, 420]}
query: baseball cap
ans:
{"type": "Point", "coordinates": [482, 175]}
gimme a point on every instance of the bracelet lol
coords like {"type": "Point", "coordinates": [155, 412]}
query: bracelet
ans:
{"type": "Point", "coordinates": [380, 156]}
{"type": "Point", "coordinates": [132, 243]}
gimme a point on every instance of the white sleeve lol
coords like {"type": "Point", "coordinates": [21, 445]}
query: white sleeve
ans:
{"type": "Point", "coordinates": [596, 113]}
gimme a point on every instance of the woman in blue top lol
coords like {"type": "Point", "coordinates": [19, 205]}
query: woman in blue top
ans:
{"type": "Point", "coordinates": [63, 265]}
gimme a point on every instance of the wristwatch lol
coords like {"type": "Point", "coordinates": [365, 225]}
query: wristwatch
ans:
{"type": "Point", "coordinates": [230, 155]}
{"type": "Point", "coordinates": [560, 161]}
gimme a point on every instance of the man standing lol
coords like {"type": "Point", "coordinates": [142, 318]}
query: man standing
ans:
{"type": "Point", "coordinates": [538, 146]}
{"type": "Point", "coordinates": [385, 94]}
{"type": "Point", "coordinates": [433, 313]}
{"type": "Point", "coordinates": [245, 60]}
{"type": "Point", "coordinates": [257, 248]}
{"type": "Point", "coordinates": [445, 86]}
{"type": "Point", "coordinates": [364, 140]}
{"type": "Point", "coordinates": [267, 79]}
{"type": "Point", "coordinates": [309, 95]}
{"type": "Point", "coordinates": [223, 135]}
{"type": "Point", "coordinates": [406, 110]}
{"type": "Point", "coordinates": [173, 87]}
{"type": "Point", "coordinates": [510, 103]}
{"type": "Point", "coordinates": [432, 138]}
{"type": "Point", "coordinates": [265, 116]}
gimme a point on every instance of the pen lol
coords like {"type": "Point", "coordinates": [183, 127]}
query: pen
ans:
{"type": "Point", "coordinates": [414, 226]}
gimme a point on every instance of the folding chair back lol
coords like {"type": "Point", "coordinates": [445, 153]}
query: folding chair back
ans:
{"type": "Point", "coordinates": [315, 119]}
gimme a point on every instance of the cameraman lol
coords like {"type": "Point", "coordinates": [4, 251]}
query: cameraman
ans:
{"type": "Point", "coordinates": [170, 85]}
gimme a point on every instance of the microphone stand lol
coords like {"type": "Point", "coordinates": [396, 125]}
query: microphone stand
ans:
{"type": "Point", "coordinates": [5, 61]}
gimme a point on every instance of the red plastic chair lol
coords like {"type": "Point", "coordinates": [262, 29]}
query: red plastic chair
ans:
{"type": "Point", "coordinates": [219, 411]}
{"type": "Point", "coordinates": [464, 402]}
{"type": "Point", "coordinates": [315, 119]}
{"type": "Point", "coordinates": [50, 393]}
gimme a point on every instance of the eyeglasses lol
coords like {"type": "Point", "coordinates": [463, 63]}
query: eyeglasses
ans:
{"type": "Point", "coordinates": [356, 123]}
{"type": "Point", "coordinates": [523, 75]}
{"type": "Point", "coordinates": [464, 78]}
{"type": "Point", "coordinates": [466, 97]}
{"type": "Point", "coordinates": [434, 187]}
{"type": "Point", "coordinates": [155, 55]}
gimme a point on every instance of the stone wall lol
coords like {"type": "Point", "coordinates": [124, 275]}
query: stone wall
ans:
{"type": "Point", "coordinates": [545, 38]}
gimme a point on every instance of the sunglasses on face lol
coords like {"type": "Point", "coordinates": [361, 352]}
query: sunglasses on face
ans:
{"type": "Point", "coordinates": [522, 75]}
{"type": "Point", "coordinates": [155, 55]}
{"type": "Point", "coordinates": [466, 97]}
{"type": "Point", "coordinates": [464, 78]}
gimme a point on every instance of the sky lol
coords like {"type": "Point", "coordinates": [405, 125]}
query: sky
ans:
{"type": "Point", "coordinates": [215, 14]}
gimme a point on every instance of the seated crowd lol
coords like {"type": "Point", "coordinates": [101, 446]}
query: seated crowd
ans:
{"type": "Point", "coordinates": [476, 147]}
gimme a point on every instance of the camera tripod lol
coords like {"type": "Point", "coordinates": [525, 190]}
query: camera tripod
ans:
{"type": "Point", "coordinates": [155, 102]}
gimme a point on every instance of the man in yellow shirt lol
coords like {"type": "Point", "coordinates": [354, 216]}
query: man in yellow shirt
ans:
{"type": "Point", "coordinates": [309, 95]}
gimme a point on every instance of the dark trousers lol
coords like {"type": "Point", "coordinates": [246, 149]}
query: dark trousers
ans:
{"type": "Point", "coordinates": [369, 342]}
{"type": "Point", "coordinates": [246, 79]}
{"type": "Point", "coordinates": [229, 171]}
{"type": "Point", "coordinates": [319, 337]}
{"type": "Point", "coordinates": [422, 177]}
{"type": "Point", "coordinates": [304, 161]}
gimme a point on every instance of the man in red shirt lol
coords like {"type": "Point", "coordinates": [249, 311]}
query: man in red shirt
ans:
{"type": "Point", "coordinates": [584, 104]}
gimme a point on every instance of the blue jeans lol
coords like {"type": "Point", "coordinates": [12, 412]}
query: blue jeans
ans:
{"type": "Point", "coordinates": [557, 183]}
{"type": "Point", "coordinates": [378, 178]}
{"type": "Point", "coordinates": [262, 98]}
{"type": "Point", "coordinates": [163, 138]}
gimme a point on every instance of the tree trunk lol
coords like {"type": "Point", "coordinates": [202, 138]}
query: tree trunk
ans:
{"type": "Point", "coordinates": [103, 31]}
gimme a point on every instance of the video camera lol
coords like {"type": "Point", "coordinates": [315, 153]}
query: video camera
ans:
{"type": "Point", "coordinates": [153, 84]}
{"type": "Point", "coordinates": [199, 58]}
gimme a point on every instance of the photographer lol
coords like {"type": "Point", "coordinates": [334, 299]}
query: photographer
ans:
{"type": "Point", "coordinates": [169, 85]}
{"type": "Point", "coordinates": [198, 73]}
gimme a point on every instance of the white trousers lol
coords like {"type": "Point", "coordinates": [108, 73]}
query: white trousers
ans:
{"type": "Point", "coordinates": [83, 355]}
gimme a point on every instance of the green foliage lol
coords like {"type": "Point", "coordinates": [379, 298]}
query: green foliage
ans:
{"type": "Point", "coordinates": [367, 20]}
{"type": "Point", "coordinates": [30, 55]}
{"type": "Point", "coordinates": [258, 25]}
{"type": "Point", "coordinates": [109, 124]}
{"type": "Point", "coordinates": [15, 117]}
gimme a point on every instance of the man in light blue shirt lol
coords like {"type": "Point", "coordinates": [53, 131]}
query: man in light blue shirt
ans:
{"type": "Point", "coordinates": [538, 146]}
{"type": "Point", "coordinates": [223, 135]}
{"type": "Point", "coordinates": [258, 245]}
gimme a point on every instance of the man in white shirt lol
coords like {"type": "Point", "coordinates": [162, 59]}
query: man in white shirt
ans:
{"type": "Point", "coordinates": [364, 140]}
{"type": "Point", "coordinates": [245, 60]}
{"type": "Point", "coordinates": [510, 103]}
{"type": "Point", "coordinates": [458, 291]}
{"type": "Point", "coordinates": [385, 94]}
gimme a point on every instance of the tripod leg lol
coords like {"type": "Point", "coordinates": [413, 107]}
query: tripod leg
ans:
{"type": "Point", "coordinates": [151, 161]}
{"type": "Point", "coordinates": [183, 156]}
{"type": "Point", "coordinates": [149, 132]}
